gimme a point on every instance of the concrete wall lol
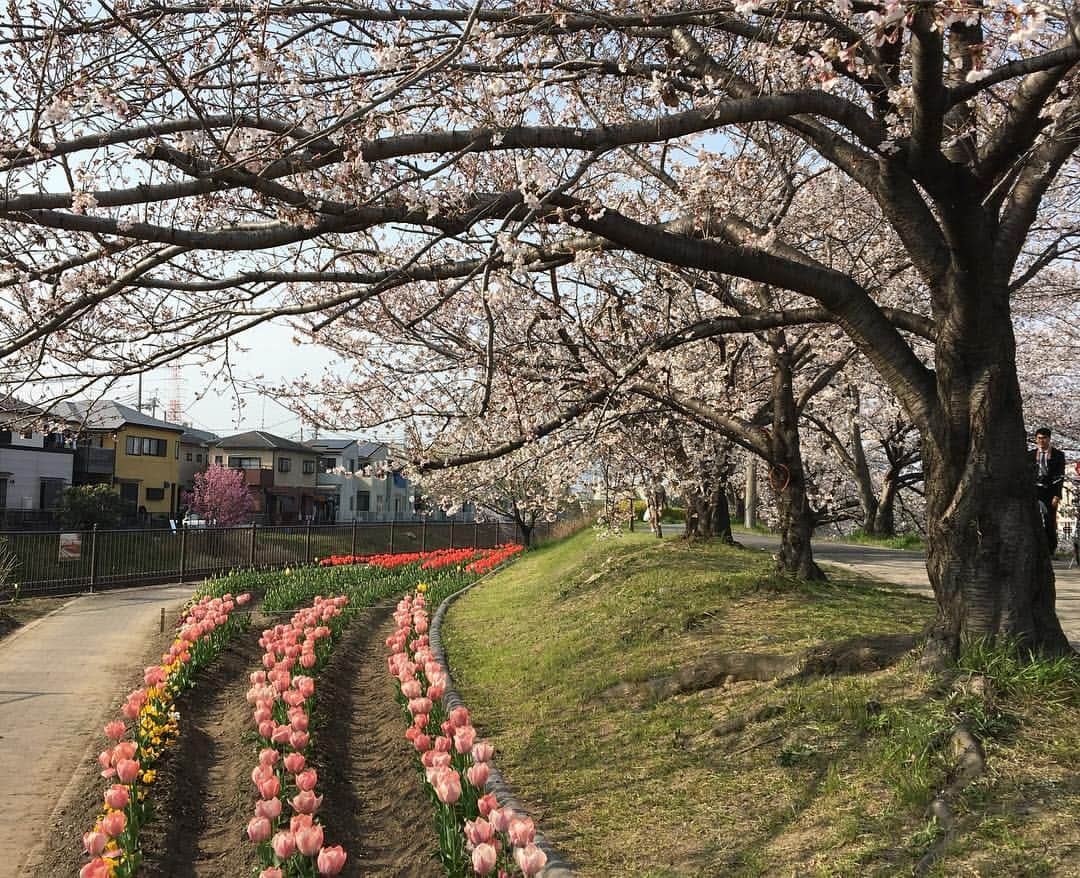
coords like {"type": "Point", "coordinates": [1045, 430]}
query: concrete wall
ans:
{"type": "Point", "coordinates": [28, 466]}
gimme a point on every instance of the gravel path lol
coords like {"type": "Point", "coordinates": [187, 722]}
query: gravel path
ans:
{"type": "Point", "coordinates": [60, 677]}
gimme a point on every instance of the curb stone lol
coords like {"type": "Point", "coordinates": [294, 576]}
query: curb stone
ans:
{"type": "Point", "coordinates": [557, 866]}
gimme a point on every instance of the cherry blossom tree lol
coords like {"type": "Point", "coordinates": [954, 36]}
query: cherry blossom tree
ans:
{"type": "Point", "coordinates": [436, 190]}
{"type": "Point", "coordinates": [221, 496]}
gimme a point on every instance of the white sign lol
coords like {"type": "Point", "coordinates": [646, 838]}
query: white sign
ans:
{"type": "Point", "coordinates": [70, 547]}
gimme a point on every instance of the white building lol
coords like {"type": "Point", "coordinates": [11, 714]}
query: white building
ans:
{"type": "Point", "coordinates": [34, 468]}
{"type": "Point", "coordinates": [353, 483]}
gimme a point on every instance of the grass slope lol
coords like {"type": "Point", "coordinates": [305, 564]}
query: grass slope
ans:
{"type": "Point", "coordinates": [835, 783]}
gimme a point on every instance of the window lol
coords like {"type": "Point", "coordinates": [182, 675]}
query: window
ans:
{"type": "Point", "coordinates": [363, 501]}
{"type": "Point", "coordinates": [136, 445]}
{"type": "Point", "coordinates": [217, 459]}
{"type": "Point", "coordinates": [351, 500]}
{"type": "Point", "coordinates": [155, 494]}
{"type": "Point", "coordinates": [198, 458]}
{"type": "Point", "coordinates": [187, 457]}
{"type": "Point", "coordinates": [3, 493]}
{"type": "Point", "coordinates": [243, 462]}
{"type": "Point", "coordinates": [284, 464]}
{"type": "Point", "coordinates": [352, 464]}
{"type": "Point", "coordinates": [327, 464]}
{"type": "Point", "coordinates": [309, 467]}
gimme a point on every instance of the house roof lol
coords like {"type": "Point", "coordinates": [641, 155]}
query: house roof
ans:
{"type": "Point", "coordinates": [107, 414]}
{"type": "Point", "coordinates": [262, 439]}
{"type": "Point", "coordinates": [198, 437]}
{"type": "Point", "coordinates": [329, 444]}
{"type": "Point", "coordinates": [366, 449]}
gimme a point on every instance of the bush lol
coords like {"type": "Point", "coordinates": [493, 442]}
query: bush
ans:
{"type": "Point", "coordinates": [83, 506]}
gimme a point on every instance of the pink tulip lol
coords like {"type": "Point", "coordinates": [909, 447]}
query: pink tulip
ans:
{"type": "Point", "coordinates": [94, 842]}
{"type": "Point", "coordinates": [267, 727]}
{"type": "Point", "coordinates": [116, 797]}
{"type": "Point", "coordinates": [115, 730]}
{"type": "Point", "coordinates": [464, 738]}
{"type": "Point", "coordinates": [298, 740]}
{"type": "Point", "coordinates": [482, 751]}
{"type": "Point", "coordinates": [113, 823]}
{"type": "Point", "coordinates": [443, 744]}
{"type": "Point", "coordinates": [270, 787]}
{"type": "Point", "coordinates": [309, 840]}
{"type": "Point", "coordinates": [306, 780]}
{"type": "Point", "coordinates": [305, 686]}
{"type": "Point", "coordinates": [243, 599]}
{"type": "Point", "coordinates": [127, 770]}
{"type": "Point", "coordinates": [436, 690]}
{"type": "Point", "coordinates": [97, 868]}
{"type": "Point", "coordinates": [422, 743]}
{"type": "Point", "coordinates": [530, 859]}
{"type": "Point", "coordinates": [124, 750]}
{"type": "Point", "coordinates": [308, 660]}
{"type": "Point", "coordinates": [411, 689]}
{"type": "Point", "coordinates": [284, 845]}
{"type": "Point", "coordinates": [420, 721]}
{"type": "Point", "coordinates": [483, 859]}
{"type": "Point", "coordinates": [459, 717]}
{"type": "Point", "coordinates": [300, 821]}
{"type": "Point", "coordinates": [293, 698]}
{"type": "Point", "coordinates": [448, 786]}
{"type": "Point", "coordinates": [268, 808]}
{"type": "Point", "coordinates": [271, 872]}
{"type": "Point", "coordinates": [478, 774]}
{"type": "Point", "coordinates": [281, 735]}
{"type": "Point", "coordinates": [294, 762]}
{"type": "Point", "coordinates": [259, 829]}
{"type": "Point", "coordinates": [268, 756]}
{"type": "Point", "coordinates": [331, 860]}
{"type": "Point", "coordinates": [298, 721]}
{"type": "Point", "coordinates": [154, 675]}
{"type": "Point", "coordinates": [521, 832]}
{"type": "Point", "coordinates": [487, 804]}
{"type": "Point", "coordinates": [479, 831]}
{"type": "Point", "coordinates": [105, 758]}
{"type": "Point", "coordinates": [500, 818]}
{"type": "Point", "coordinates": [306, 802]}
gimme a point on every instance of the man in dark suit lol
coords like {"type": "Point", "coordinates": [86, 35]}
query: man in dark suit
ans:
{"type": "Point", "coordinates": [1049, 465]}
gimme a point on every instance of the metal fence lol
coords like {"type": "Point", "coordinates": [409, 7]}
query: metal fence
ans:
{"type": "Point", "coordinates": [57, 563]}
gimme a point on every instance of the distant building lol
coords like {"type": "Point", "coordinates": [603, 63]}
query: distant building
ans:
{"type": "Point", "coordinates": [34, 467]}
{"type": "Point", "coordinates": [280, 473]}
{"type": "Point", "coordinates": [120, 446]}
{"type": "Point", "coordinates": [195, 448]}
{"type": "Point", "coordinates": [346, 493]}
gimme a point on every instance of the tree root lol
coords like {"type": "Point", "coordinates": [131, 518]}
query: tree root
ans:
{"type": "Point", "coordinates": [856, 655]}
{"type": "Point", "coordinates": [969, 764]}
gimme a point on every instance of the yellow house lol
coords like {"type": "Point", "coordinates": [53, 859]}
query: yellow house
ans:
{"type": "Point", "coordinates": [135, 453]}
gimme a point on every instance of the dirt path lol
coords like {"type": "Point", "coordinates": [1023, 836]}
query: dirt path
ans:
{"type": "Point", "coordinates": [374, 797]}
{"type": "Point", "coordinates": [61, 677]}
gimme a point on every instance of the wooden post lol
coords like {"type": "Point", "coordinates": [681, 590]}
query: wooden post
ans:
{"type": "Point", "coordinates": [423, 534]}
{"type": "Point", "coordinates": [475, 534]}
{"type": "Point", "coordinates": [307, 543]}
{"type": "Point", "coordinates": [352, 545]}
{"type": "Point", "coordinates": [161, 630]}
{"type": "Point", "coordinates": [391, 551]}
{"type": "Point", "coordinates": [251, 548]}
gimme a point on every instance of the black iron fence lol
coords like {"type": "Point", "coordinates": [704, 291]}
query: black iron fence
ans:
{"type": "Point", "coordinates": [57, 563]}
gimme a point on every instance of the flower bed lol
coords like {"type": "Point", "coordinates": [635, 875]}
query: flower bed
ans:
{"type": "Point", "coordinates": [434, 560]}
{"type": "Point", "coordinates": [288, 834]}
{"type": "Point", "coordinates": [205, 629]}
{"type": "Point", "coordinates": [476, 836]}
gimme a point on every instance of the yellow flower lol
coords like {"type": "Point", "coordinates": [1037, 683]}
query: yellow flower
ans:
{"type": "Point", "coordinates": [149, 776]}
{"type": "Point", "coordinates": [421, 587]}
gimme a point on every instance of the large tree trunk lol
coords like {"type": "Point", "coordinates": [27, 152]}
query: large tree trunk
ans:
{"type": "Point", "coordinates": [786, 472]}
{"type": "Point", "coordinates": [885, 508]}
{"type": "Point", "coordinates": [986, 555]}
{"type": "Point", "coordinates": [720, 514]}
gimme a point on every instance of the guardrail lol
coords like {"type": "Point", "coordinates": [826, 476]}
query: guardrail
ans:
{"type": "Point", "coordinates": [55, 563]}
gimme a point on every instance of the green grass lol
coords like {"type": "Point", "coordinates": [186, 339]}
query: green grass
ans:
{"type": "Point", "coordinates": [836, 783]}
{"type": "Point", "coordinates": [908, 540]}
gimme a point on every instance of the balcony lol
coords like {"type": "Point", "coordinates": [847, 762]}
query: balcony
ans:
{"type": "Point", "coordinates": [93, 461]}
{"type": "Point", "coordinates": [262, 477]}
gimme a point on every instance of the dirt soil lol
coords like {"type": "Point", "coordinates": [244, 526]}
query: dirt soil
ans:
{"type": "Point", "coordinates": [374, 805]}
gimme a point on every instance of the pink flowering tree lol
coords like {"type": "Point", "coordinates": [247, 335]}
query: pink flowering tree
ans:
{"type": "Point", "coordinates": [220, 496]}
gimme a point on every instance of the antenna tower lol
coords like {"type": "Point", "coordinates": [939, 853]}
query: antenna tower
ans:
{"type": "Point", "coordinates": [173, 411]}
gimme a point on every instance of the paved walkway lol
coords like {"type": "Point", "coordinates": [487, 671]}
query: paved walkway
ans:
{"type": "Point", "coordinates": [58, 677]}
{"type": "Point", "coordinates": [909, 569]}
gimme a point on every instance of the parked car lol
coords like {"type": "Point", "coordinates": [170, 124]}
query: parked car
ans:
{"type": "Point", "coordinates": [191, 519]}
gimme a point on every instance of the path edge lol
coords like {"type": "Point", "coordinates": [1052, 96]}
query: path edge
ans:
{"type": "Point", "coordinates": [557, 865]}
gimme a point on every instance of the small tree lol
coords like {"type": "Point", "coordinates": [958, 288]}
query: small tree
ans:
{"type": "Point", "coordinates": [220, 496]}
{"type": "Point", "coordinates": [83, 506]}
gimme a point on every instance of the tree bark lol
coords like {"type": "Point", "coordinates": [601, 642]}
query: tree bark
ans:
{"type": "Point", "coordinates": [986, 555]}
{"type": "Point", "coordinates": [786, 473]}
{"type": "Point", "coordinates": [884, 519]}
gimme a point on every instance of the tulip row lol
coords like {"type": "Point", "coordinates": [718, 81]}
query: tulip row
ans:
{"type": "Point", "coordinates": [282, 702]}
{"type": "Point", "coordinates": [494, 557]}
{"type": "Point", "coordinates": [476, 836]}
{"type": "Point", "coordinates": [205, 628]}
{"type": "Point", "coordinates": [433, 560]}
